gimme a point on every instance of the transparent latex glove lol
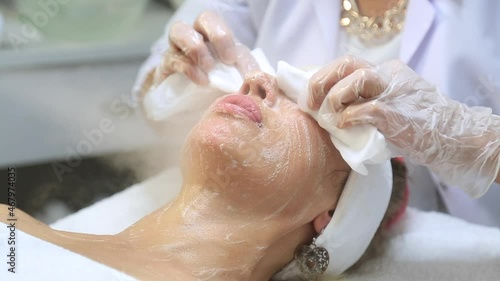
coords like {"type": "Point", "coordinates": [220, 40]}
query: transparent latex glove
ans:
{"type": "Point", "coordinates": [459, 143]}
{"type": "Point", "coordinates": [194, 50]}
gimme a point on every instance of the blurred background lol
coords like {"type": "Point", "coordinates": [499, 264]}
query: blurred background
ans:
{"type": "Point", "coordinates": [67, 119]}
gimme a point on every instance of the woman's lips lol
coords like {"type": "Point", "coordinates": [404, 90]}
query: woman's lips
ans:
{"type": "Point", "coordinates": [241, 105]}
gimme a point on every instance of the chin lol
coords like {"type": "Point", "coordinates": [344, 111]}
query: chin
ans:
{"type": "Point", "coordinates": [226, 138]}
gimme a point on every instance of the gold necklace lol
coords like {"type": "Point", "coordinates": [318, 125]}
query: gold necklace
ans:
{"type": "Point", "coordinates": [373, 30]}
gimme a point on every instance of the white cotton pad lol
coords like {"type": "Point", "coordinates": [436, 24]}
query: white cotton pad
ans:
{"type": "Point", "coordinates": [358, 145]}
{"type": "Point", "coordinates": [177, 94]}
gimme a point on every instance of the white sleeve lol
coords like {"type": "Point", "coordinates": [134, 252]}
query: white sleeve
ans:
{"type": "Point", "coordinates": [235, 12]}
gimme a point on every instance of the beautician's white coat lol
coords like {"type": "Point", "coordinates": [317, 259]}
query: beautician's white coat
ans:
{"type": "Point", "coordinates": [454, 44]}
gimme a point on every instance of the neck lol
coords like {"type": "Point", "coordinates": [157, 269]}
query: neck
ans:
{"type": "Point", "coordinates": [190, 239]}
{"type": "Point", "coordinates": [372, 8]}
{"type": "Point", "coordinates": [205, 240]}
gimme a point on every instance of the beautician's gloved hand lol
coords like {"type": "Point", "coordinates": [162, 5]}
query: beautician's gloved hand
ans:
{"type": "Point", "coordinates": [459, 143]}
{"type": "Point", "coordinates": [190, 52]}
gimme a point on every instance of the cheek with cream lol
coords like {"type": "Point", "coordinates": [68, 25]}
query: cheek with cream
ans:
{"type": "Point", "coordinates": [273, 162]}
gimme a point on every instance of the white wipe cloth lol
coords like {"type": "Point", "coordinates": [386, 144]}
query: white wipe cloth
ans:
{"type": "Point", "coordinates": [36, 259]}
{"type": "Point", "coordinates": [178, 95]}
{"type": "Point", "coordinates": [423, 246]}
{"type": "Point", "coordinates": [170, 97]}
{"type": "Point", "coordinates": [359, 145]}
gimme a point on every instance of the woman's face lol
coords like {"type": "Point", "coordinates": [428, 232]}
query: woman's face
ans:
{"type": "Point", "coordinates": [261, 154]}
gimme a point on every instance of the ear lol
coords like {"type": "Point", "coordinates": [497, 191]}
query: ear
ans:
{"type": "Point", "coordinates": [322, 220]}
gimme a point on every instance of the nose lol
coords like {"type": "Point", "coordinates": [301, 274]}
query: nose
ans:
{"type": "Point", "coordinates": [261, 85]}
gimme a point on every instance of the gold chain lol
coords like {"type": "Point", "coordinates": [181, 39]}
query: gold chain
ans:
{"type": "Point", "coordinates": [373, 30]}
